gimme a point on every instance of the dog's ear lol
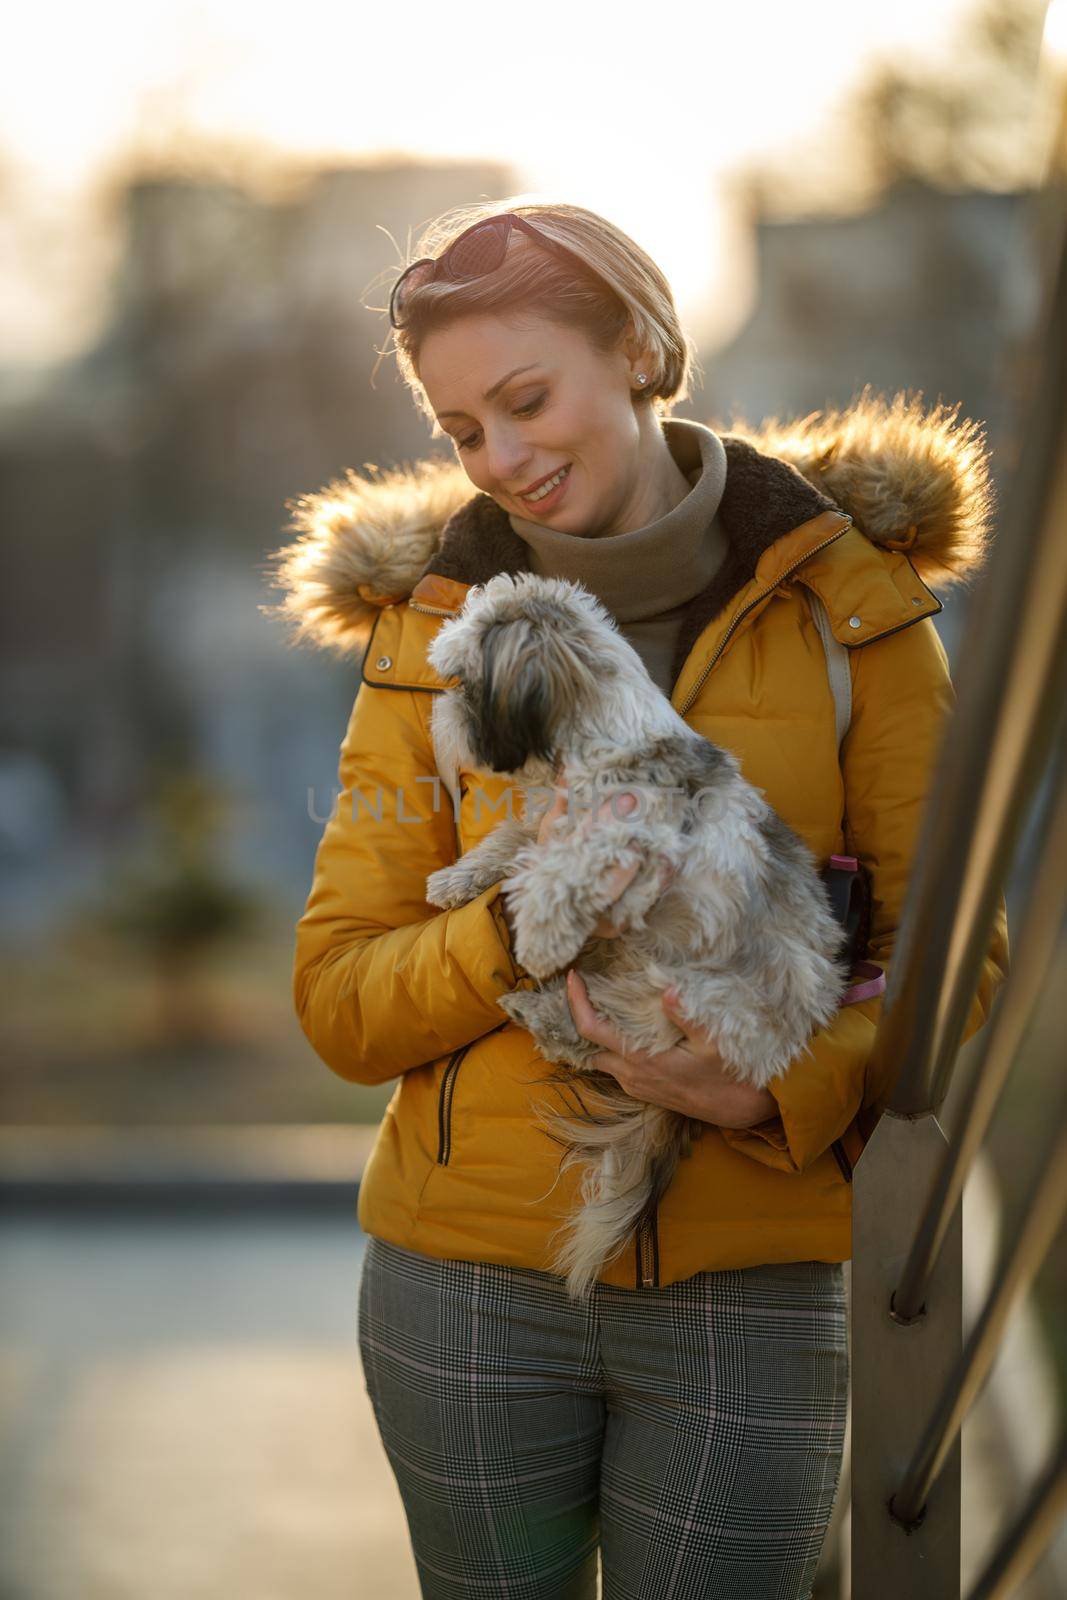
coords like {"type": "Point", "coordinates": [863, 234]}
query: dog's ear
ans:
{"type": "Point", "coordinates": [451, 653]}
{"type": "Point", "coordinates": [512, 713]}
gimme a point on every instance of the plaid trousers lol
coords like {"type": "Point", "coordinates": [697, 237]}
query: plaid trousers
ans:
{"type": "Point", "coordinates": [692, 1434]}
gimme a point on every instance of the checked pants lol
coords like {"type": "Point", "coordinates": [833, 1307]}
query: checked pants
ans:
{"type": "Point", "coordinates": [690, 1437]}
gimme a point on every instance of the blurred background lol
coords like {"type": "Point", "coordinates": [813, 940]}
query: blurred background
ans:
{"type": "Point", "coordinates": [203, 209]}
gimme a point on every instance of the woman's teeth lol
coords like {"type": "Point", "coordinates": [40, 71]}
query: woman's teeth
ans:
{"type": "Point", "coordinates": [547, 488]}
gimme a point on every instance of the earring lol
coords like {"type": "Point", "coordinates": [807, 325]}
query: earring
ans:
{"type": "Point", "coordinates": [642, 377]}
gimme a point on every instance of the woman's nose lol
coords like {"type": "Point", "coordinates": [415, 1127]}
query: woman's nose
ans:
{"type": "Point", "coordinates": [506, 456]}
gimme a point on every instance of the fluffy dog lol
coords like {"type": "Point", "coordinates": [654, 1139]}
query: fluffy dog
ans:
{"type": "Point", "coordinates": [546, 687]}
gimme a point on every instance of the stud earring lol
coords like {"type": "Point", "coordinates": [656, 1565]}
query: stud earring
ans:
{"type": "Point", "coordinates": [642, 377]}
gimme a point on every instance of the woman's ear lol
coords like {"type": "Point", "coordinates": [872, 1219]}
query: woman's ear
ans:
{"type": "Point", "coordinates": [638, 355]}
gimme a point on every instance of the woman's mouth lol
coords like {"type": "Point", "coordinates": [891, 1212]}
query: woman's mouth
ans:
{"type": "Point", "coordinates": [549, 492]}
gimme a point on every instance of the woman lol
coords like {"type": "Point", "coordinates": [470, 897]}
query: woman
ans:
{"type": "Point", "coordinates": [689, 1421]}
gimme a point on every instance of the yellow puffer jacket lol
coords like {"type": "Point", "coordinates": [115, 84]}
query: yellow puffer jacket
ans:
{"type": "Point", "coordinates": [862, 508]}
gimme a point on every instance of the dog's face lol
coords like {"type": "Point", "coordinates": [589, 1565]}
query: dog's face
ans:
{"type": "Point", "coordinates": [527, 654]}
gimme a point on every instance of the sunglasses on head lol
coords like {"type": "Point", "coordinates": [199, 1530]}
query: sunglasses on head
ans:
{"type": "Point", "coordinates": [477, 251]}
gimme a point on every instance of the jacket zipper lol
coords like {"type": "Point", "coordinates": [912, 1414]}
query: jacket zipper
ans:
{"type": "Point", "coordinates": [728, 635]}
{"type": "Point", "coordinates": [444, 1104]}
{"type": "Point", "coordinates": [430, 611]}
{"type": "Point", "coordinates": [841, 1157]}
{"type": "Point", "coordinates": [647, 1252]}
{"type": "Point", "coordinates": [447, 1093]}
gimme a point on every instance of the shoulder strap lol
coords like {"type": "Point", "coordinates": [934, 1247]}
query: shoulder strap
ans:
{"type": "Point", "coordinates": [837, 667]}
{"type": "Point", "coordinates": [847, 881]}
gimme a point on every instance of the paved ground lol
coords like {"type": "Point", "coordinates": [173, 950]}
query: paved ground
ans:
{"type": "Point", "coordinates": [184, 1418]}
{"type": "Point", "coordinates": [184, 1415]}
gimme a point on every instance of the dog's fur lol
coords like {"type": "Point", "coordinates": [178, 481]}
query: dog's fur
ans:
{"type": "Point", "coordinates": [545, 684]}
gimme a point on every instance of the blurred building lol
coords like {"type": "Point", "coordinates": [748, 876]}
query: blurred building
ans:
{"type": "Point", "coordinates": [145, 483]}
{"type": "Point", "coordinates": [930, 291]}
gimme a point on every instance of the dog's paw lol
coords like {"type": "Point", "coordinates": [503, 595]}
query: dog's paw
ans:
{"type": "Point", "coordinates": [449, 887]}
{"type": "Point", "coordinates": [527, 1008]}
{"type": "Point", "coordinates": [518, 1007]}
{"type": "Point", "coordinates": [543, 951]}
{"type": "Point", "coordinates": [546, 1016]}
{"type": "Point", "coordinates": [546, 944]}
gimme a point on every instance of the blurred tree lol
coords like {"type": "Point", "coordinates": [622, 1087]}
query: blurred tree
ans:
{"type": "Point", "coordinates": [970, 126]}
{"type": "Point", "coordinates": [969, 120]}
{"type": "Point", "coordinates": [174, 903]}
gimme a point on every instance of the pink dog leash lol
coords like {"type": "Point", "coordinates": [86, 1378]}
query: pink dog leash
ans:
{"type": "Point", "coordinates": [871, 983]}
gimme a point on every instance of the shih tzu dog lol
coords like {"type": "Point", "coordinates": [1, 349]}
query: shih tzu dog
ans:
{"type": "Point", "coordinates": [545, 689]}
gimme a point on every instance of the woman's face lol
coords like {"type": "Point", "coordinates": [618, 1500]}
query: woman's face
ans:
{"type": "Point", "coordinates": [524, 399]}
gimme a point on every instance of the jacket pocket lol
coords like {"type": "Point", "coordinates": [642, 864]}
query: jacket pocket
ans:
{"type": "Point", "coordinates": [447, 1092]}
{"type": "Point", "coordinates": [445, 1097]}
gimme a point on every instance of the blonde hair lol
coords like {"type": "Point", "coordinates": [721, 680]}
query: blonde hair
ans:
{"type": "Point", "coordinates": [613, 287]}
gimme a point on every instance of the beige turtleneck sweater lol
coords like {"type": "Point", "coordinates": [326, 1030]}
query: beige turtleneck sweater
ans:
{"type": "Point", "coordinates": [647, 577]}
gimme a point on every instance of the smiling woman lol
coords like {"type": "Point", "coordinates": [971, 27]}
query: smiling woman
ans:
{"type": "Point", "coordinates": [552, 354]}
{"type": "Point", "coordinates": [559, 441]}
{"type": "Point", "coordinates": [550, 375]}
{"type": "Point", "coordinates": [707, 1373]}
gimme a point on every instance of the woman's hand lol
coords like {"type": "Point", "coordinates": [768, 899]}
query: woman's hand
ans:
{"type": "Point", "coordinates": [689, 1078]}
{"type": "Point", "coordinates": [621, 804]}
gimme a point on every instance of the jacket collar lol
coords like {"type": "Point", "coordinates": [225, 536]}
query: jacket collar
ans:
{"type": "Point", "coordinates": [915, 485]}
{"type": "Point", "coordinates": [865, 596]}
{"type": "Point", "coordinates": [763, 502]}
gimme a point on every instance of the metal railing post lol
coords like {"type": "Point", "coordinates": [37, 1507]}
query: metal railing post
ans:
{"type": "Point", "coordinates": [1044, 1213]}
{"type": "Point", "coordinates": [999, 1045]}
{"type": "Point", "coordinates": [899, 1370]}
{"type": "Point", "coordinates": [910, 1382]}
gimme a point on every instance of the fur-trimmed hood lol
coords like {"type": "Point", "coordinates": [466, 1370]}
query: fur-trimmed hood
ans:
{"type": "Point", "coordinates": [911, 480]}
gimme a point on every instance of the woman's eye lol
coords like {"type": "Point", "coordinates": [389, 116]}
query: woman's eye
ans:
{"type": "Point", "coordinates": [531, 406]}
{"type": "Point", "coordinates": [528, 410]}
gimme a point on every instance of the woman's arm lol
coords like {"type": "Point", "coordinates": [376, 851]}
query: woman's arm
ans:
{"type": "Point", "coordinates": [901, 695]}
{"type": "Point", "coordinates": [382, 981]}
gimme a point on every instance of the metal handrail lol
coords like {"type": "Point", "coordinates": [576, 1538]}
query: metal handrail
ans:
{"type": "Point", "coordinates": [999, 743]}
{"type": "Point", "coordinates": [995, 748]}
{"type": "Point", "coordinates": [1043, 1214]}
{"type": "Point", "coordinates": [913, 1383]}
{"type": "Point", "coordinates": [1000, 1043]}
